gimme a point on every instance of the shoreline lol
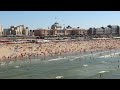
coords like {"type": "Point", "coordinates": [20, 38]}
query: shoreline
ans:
{"type": "Point", "coordinates": [34, 60]}
{"type": "Point", "coordinates": [44, 50]}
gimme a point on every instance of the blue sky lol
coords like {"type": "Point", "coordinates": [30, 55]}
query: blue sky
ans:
{"type": "Point", "coordinates": [44, 19]}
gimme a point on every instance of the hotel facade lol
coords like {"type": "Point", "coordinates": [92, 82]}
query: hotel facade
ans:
{"type": "Point", "coordinates": [57, 30]}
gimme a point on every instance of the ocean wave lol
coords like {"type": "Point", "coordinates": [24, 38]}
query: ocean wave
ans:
{"type": "Point", "coordinates": [56, 59]}
{"type": "Point", "coordinates": [85, 65]}
{"type": "Point", "coordinates": [59, 77]}
{"type": "Point", "coordinates": [17, 66]}
{"type": "Point", "coordinates": [2, 64]}
{"type": "Point", "coordinates": [109, 55]}
{"type": "Point", "coordinates": [103, 71]}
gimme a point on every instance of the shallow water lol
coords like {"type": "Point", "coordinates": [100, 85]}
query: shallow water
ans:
{"type": "Point", "coordinates": [79, 66]}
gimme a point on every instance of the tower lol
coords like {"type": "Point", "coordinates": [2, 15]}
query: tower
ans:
{"type": "Point", "coordinates": [1, 30]}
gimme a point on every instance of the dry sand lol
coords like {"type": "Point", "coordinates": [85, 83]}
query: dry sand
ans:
{"type": "Point", "coordinates": [54, 48]}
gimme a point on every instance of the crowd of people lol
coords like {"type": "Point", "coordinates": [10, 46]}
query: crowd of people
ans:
{"type": "Point", "coordinates": [19, 51]}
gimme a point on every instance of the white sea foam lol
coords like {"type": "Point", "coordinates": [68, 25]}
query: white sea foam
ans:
{"type": "Point", "coordinates": [105, 56]}
{"type": "Point", "coordinates": [2, 64]}
{"type": "Point", "coordinates": [85, 65]}
{"type": "Point", "coordinates": [103, 62]}
{"type": "Point", "coordinates": [58, 77]}
{"type": "Point", "coordinates": [103, 71]}
{"type": "Point", "coordinates": [17, 66]}
{"type": "Point", "coordinates": [56, 59]}
{"type": "Point", "coordinates": [109, 55]}
{"type": "Point", "coordinates": [93, 54]}
{"type": "Point", "coordinates": [74, 58]}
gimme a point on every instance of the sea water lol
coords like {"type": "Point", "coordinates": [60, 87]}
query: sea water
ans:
{"type": "Point", "coordinates": [98, 65]}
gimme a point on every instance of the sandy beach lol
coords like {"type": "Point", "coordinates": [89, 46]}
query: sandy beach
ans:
{"type": "Point", "coordinates": [19, 51]}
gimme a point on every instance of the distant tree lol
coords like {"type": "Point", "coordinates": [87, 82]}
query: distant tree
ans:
{"type": "Point", "coordinates": [102, 27]}
{"type": "Point", "coordinates": [68, 27]}
{"type": "Point", "coordinates": [109, 26]}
